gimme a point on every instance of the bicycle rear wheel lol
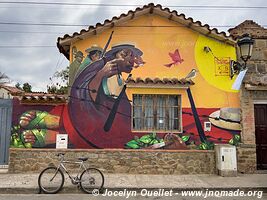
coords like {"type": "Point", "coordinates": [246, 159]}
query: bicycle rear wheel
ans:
{"type": "Point", "coordinates": [91, 179]}
{"type": "Point", "coordinates": [51, 180]}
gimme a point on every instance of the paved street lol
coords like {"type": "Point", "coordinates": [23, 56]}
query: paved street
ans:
{"type": "Point", "coordinates": [27, 183]}
{"type": "Point", "coordinates": [127, 186]}
{"type": "Point", "coordinates": [91, 197]}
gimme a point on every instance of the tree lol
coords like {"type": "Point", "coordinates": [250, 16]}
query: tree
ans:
{"type": "Point", "coordinates": [57, 90]}
{"type": "Point", "coordinates": [63, 77]}
{"type": "Point", "coordinates": [18, 86]}
{"type": "Point", "coordinates": [27, 87]}
{"type": "Point", "coordinates": [63, 74]}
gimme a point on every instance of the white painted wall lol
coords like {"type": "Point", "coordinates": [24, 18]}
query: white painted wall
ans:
{"type": "Point", "coordinates": [4, 94]}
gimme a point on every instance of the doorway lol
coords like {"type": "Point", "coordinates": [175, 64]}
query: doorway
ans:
{"type": "Point", "coordinates": [5, 132]}
{"type": "Point", "coordinates": [260, 111]}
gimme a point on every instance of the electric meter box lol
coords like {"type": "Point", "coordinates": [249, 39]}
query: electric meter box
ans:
{"type": "Point", "coordinates": [226, 160]}
{"type": "Point", "coordinates": [62, 141]}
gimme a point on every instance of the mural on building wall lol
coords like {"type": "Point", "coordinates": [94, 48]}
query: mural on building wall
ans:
{"type": "Point", "coordinates": [100, 113]}
{"type": "Point", "coordinates": [176, 58]}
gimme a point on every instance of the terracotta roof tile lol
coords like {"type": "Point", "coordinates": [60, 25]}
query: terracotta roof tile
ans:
{"type": "Point", "coordinates": [63, 43]}
{"type": "Point", "coordinates": [52, 99]}
{"type": "Point", "coordinates": [42, 98]}
{"type": "Point", "coordinates": [164, 81]}
{"type": "Point", "coordinates": [13, 90]}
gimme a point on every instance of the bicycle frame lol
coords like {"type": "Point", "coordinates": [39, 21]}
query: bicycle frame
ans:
{"type": "Point", "coordinates": [74, 179]}
{"type": "Point", "coordinates": [87, 179]}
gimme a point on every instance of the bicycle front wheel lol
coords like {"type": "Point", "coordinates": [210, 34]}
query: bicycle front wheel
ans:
{"type": "Point", "coordinates": [91, 179]}
{"type": "Point", "coordinates": [51, 180]}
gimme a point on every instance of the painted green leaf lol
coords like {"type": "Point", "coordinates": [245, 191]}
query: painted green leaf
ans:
{"type": "Point", "coordinates": [132, 144]}
{"type": "Point", "coordinates": [28, 145]}
{"type": "Point", "coordinates": [205, 146]}
{"type": "Point", "coordinates": [158, 139]}
{"type": "Point", "coordinates": [231, 141]}
{"type": "Point", "coordinates": [161, 140]}
{"type": "Point", "coordinates": [210, 145]}
{"type": "Point", "coordinates": [237, 137]}
{"type": "Point", "coordinates": [185, 138]}
{"type": "Point", "coordinates": [15, 142]}
{"type": "Point", "coordinates": [154, 142]}
{"type": "Point", "coordinates": [146, 139]}
{"type": "Point", "coordinates": [153, 135]}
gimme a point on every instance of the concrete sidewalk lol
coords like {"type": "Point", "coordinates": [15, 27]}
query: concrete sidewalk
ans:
{"type": "Point", "coordinates": [27, 183]}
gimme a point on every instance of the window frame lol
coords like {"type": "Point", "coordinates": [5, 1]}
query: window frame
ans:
{"type": "Point", "coordinates": [179, 108]}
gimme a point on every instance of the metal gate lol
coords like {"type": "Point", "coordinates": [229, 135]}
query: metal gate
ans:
{"type": "Point", "coordinates": [5, 129]}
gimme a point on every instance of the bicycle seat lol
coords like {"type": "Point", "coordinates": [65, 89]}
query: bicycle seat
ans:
{"type": "Point", "coordinates": [83, 158]}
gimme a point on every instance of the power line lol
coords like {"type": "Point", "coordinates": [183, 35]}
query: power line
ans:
{"type": "Point", "coordinates": [130, 5]}
{"type": "Point", "coordinates": [40, 24]}
{"type": "Point", "coordinates": [61, 24]}
{"type": "Point", "coordinates": [28, 46]}
{"type": "Point", "coordinates": [55, 69]}
{"type": "Point", "coordinates": [123, 8]}
{"type": "Point", "coordinates": [35, 32]}
{"type": "Point", "coordinates": [57, 33]}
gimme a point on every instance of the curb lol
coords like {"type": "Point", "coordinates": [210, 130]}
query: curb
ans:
{"type": "Point", "coordinates": [76, 190]}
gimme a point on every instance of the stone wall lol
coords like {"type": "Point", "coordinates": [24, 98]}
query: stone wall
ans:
{"type": "Point", "coordinates": [247, 116]}
{"type": "Point", "coordinates": [257, 65]}
{"type": "Point", "coordinates": [119, 160]}
{"type": "Point", "coordinates": [248, 99]}
{"type": "Point", "coordinates": [257, 79]}
{"type": "Point", "coordinates": [254, 90]}
{"type": "Point", "coordinates": [246, 159]}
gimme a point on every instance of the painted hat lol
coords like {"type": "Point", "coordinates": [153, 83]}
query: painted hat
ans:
{"type": "Point", "coordinates": [93, 48]}
{"type": "Point", "coordinates": [116, 48]}
{"type": "Point", "coordinates": [227, 118]}
{"type": "Point", "coordinates": [79, 54]}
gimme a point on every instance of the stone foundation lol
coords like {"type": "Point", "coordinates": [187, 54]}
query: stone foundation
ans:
{"type": "Point", "coordinates": [119, 160]}
{"type": "Point", "coordinates": [246, 159]}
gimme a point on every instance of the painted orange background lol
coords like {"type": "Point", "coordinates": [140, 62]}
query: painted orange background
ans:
{"type": "Point", "coordinates": [156, 37]}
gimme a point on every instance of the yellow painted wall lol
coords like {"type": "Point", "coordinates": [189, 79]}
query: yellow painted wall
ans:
{"type": "Point", "coordinates": [156, 37]}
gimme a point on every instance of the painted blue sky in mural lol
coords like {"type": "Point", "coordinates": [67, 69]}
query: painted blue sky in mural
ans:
{"type": "Point", "coordinates": [28, 51]}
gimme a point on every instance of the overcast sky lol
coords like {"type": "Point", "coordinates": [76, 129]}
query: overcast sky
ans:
{"type": "Point", "coordinates": [36, 64]}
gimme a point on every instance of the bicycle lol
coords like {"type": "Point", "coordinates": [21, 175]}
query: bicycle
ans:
{"type": "Point", "coordinates": [51, 179]}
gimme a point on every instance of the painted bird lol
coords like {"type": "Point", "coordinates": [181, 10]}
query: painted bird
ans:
{"type": "Point", "coordinates": [176, 58]}
{"type": "Point", "coordinates": [192, 74]}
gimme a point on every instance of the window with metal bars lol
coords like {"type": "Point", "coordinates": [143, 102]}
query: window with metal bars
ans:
{"type": "Point", "coordinates": [156, 113]}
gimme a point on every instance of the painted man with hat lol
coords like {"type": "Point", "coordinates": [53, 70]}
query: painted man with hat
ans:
{"type": "Point", "coordinates": [89, 106]}
{"type": "Point", "coordinates": [93, 105]}
{"type": "Point", "coordinates": [93, 54]}
{"type": "Point", "coordinates": [121, 58]}
{"type": "Point", "coordinates": [74, 66]}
